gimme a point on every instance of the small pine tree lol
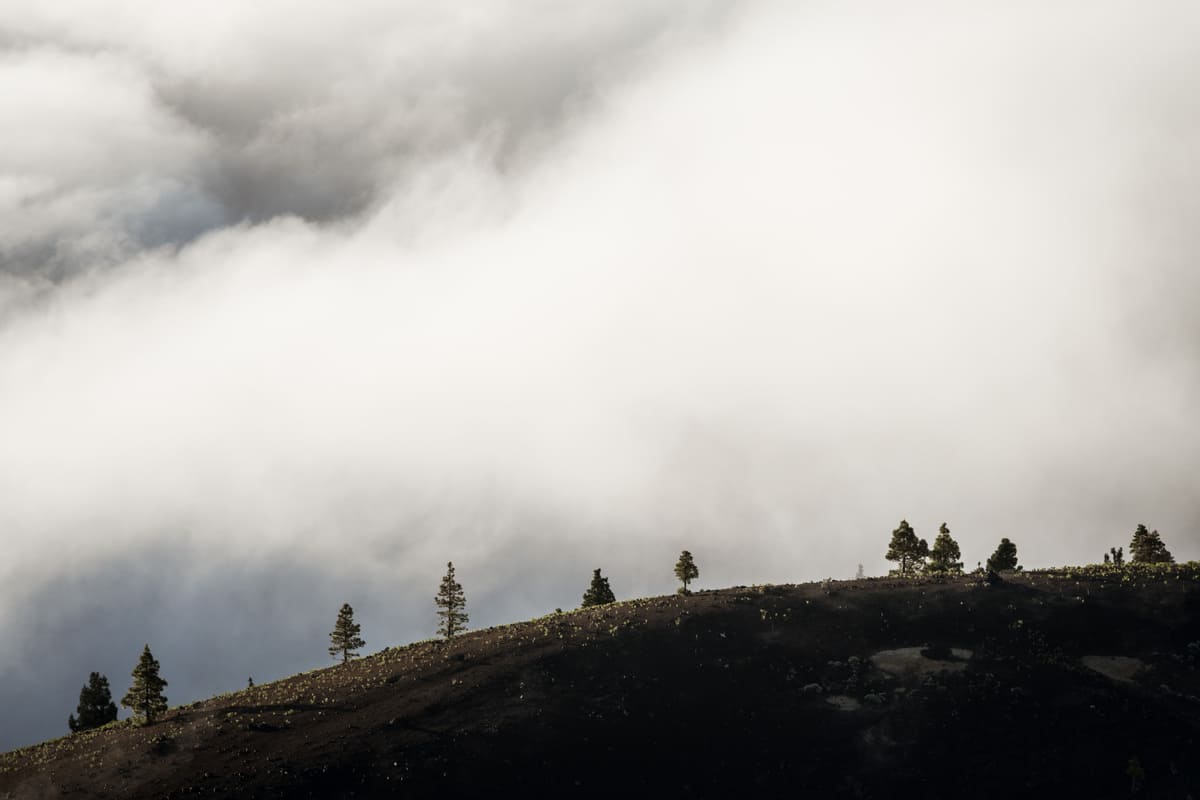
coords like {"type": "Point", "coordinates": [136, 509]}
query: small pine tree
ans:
{"type": "Point", "coordinates": [907, 550]}
{"type": "Point", "coordinates": [452, 605]}
{"type": "Point", "coordinates": [945, 555]}
{"type": "Point", "coordinates": [860, 574]}
{"type": "Point", "coordinates": [250, 682]}
{"type": "Point", "coordinates": [344, 637]}
{"type": "Point", "coordinates": [599, 592]}
{"type": "Point", "coordinates": [1117, 556]}
{"type": "Point", "coordinates": [1005, 557]}
{"type": "Point", "coordinates": [96, 706]}
{"type": "Point", "coordinates": [1106, 560]}
{"type": "Point", "coordinates": [145, 698]}
{"type": "Point", "coordinates": [1147, 548]}
{"type": "Point", "coordinates": [686, 570]}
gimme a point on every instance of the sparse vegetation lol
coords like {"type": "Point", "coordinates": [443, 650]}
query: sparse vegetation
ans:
{"type": "Point", "coordinates": [145, 697]}
{"type": "Point", "coordinates": [772, 664]}
{"type": "Point", "coordinates": [452, 605]}
{"type": "Point", "coordinates": [344, 638]}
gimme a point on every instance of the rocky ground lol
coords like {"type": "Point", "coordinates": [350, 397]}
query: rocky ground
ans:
{"type": "Point", "coordinates": [1067, 683]}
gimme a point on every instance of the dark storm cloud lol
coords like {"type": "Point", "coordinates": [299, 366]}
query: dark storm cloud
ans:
{"type": "Point", "coordinates": [134, 134]}
{"type": "Point", "coordinates": [292, 314]}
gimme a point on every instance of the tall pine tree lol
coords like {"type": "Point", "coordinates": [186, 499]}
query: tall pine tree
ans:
{"type": "Point", "coordinates": [907, 550]}
{"type": "Point", "coordinates": [96, 706]}
{"type": "Point", "coordinates": [599, 592]}
{"type": "Point", "coordinates": [344, 638]}
{"type": "Point", "coordinates": [686, 570]}
{"type": "Point", "coordinates": [1147, 548]}
{"type": "Point", "coordinates": [945, 555]}
{"type": "Point", "coordinates": [145, 697]}
{"type": "Point", "coordinates": [452, 605]}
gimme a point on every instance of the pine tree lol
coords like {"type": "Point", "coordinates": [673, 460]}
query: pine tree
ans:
{"type": "Point", "coordinates": [1004, 558]}
{"type": "Point", "coordinates": [344, 637]}
{"type": "Point", "coordinates": [452, 605]}
{"type": "Point", "coordinates": [1117, 556]}
{"type": "Point", "coordinates": [686, 570]}
{"type": "Point", "coordinates": [599, 592]}
{"type": "Point", "coordinates": [945, 555]}
{"type": "Point", "coordinates": [860, 574]}
{"type": "Point", "coordinates": [96, 706]}
{"type": "Point", "coordinates": [906, 549]}
{"type": "Point", "coordinates": [1147, 548]}
{"type": "Point", "coordinates": [145, 698]}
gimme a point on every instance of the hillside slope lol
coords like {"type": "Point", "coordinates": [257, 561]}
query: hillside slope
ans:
{"type": "Point", "coordinates": [1048, 684]}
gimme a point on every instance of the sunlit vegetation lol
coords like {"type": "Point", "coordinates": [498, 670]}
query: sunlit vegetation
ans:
{"type": "Point", "coordinates": [145, 697]}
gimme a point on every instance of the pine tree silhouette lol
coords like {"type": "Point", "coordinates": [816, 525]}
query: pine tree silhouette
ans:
{"type": "Point", "coordinates": [96, 706]}
{"type": "Point", "coordinates": [344, 637]}
{"type": "Point", "coordinates": [686, 570]}
{"type": "Point", "coordinates": [145, 698]}
{"type": "Point", "coordinates": [1004, 558]}
{"type": "Point", "coordinates": [945, 555]}
{"type": "Point", "coordinates": [599, 592]}
{"type": "Point", "coordinates": [1147, 548]}
{"type": "Point", "coordinates": [452, 605]}
{"type": "Point", "coordinates": [907, 550]}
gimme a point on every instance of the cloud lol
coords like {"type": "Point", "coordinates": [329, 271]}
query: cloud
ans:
{"type": "Point", "coordinates": [131, 125]}
{"type": "Point", "coordinates": [297, 313]}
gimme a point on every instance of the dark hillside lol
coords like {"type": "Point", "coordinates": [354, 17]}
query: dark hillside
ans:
{"type": "Point", "coordinates": [1046, 685]}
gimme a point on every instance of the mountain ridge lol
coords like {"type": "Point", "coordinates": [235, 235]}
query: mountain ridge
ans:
{"type": "Point", "coordinates": [853, 688]}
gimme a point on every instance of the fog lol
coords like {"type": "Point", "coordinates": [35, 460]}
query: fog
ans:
{"type": "Point", "coordinates": [296, 306]}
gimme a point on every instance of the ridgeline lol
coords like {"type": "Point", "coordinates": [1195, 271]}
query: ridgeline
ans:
{"type": "Point", "coordinates": [1074, 682]}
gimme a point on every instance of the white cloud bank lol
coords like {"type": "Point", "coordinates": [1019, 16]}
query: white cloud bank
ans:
{"type": "Point", "coordinates": [587, 287]}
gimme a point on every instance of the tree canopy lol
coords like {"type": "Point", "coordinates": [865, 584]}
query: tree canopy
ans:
{"type": "Point", "coordinates": [1147, 548]}
{"type": "Point", "coordinates": [686, 570]}
{"type": "Point", "coordinates": [945, 555]}
{"type": "Point", "coordinates": [452, 605]}
{"type": "Point", "coordinates": [344, 638]}
{"type": "Point", "coordinates": [907, 550]}
{"type": "Point", "coordinates": [96, 706]}
{"type": "Point", "coordinates": [599, 592]}
{"type": "Point", "coordinates": [145, 697]}
{"type": "Point", "coordinates": [1005, 557]}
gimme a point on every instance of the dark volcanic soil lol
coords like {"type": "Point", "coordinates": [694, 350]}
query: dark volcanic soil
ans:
{"type": "Point", "coordinates": [760, 691]}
